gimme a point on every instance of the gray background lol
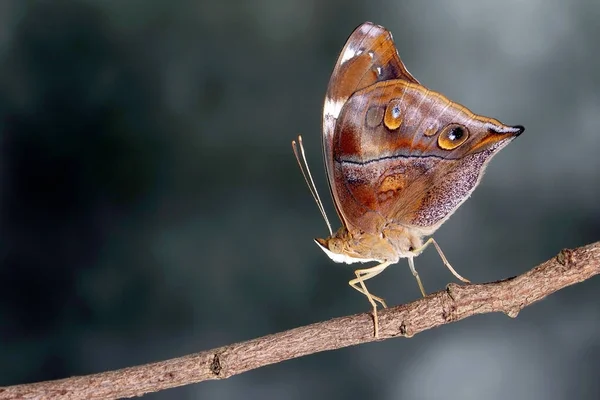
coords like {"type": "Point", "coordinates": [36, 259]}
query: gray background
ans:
{"type": "Point", "coordinates": [151, 205]}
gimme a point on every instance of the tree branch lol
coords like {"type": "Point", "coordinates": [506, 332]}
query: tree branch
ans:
{"type": "Point", "coordinates": [453, 304]}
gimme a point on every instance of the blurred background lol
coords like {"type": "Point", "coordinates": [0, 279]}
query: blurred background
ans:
{"type": "Point", "coordinates": [151, 206]}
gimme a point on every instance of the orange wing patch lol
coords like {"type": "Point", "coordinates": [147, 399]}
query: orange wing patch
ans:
{"type": "Point", "coordinates": [390, 186]}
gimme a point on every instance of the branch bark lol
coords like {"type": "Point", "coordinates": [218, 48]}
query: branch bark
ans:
{"type": "Point", "coordinates": [453, 304]}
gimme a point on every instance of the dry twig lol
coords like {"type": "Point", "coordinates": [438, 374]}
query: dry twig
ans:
{"type": "Point", "coordinates": [453, 304]}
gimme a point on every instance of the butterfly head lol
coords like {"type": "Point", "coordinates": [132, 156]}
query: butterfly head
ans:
{"type": "Point", "coordinates": [334, 248]}
{"type": "Point", "coordinates": [344, 247]}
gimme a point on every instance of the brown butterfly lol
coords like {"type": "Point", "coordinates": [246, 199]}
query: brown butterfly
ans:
{"type": "Point", "coordinates": [400, 158]}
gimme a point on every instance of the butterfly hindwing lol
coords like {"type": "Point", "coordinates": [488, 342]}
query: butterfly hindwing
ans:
{"type": "Point", "coordinates": [405, 155]}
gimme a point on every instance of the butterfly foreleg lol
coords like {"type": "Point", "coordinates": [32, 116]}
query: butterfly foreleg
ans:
{"type": "Point", "coordinates": [365, 274]}
{"type": "Point", "coordinates": [359, 284]}
{"type": "Point", "coordinates": [442, 256]}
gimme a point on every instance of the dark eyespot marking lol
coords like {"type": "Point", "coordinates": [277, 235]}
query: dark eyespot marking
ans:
{"type": "Point", "coordinates": [456, 133]}
{"type": "Point", "coordinates": [452, 136]}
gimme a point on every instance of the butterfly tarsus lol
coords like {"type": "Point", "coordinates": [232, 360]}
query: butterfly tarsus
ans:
{"type": "Point", "coordinates": [411, 264]}
{"type": "Point", "coordinates": [359, 284]}
{"type": "Point", "coordinates": [442, 256]}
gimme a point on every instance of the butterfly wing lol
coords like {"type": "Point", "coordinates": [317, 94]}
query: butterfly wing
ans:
{"type": "Point", "coordinates": [369, 56]}
{"type": "Point", "coordinates": [404, 155]}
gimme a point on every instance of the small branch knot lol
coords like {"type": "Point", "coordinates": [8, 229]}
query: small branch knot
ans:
{"type": "Point", "coordinates": [449, 304]}
{"type": "Point", "coordinates": [565, 257]}
{"type": "Point", "coordinates": [449, 290]}
{"type": "Point", "coordinates": [513, 312]}
{"type": "Point", "coordinates": [403, 330]}
{"type": "Point", "coordinates": [215, 365]}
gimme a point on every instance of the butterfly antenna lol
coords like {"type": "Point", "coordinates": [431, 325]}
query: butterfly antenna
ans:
{"type": "Point", "coordinates": [309, 179]}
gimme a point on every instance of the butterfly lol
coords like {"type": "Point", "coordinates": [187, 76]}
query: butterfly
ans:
{"type": "Point", "coordinates": [400, 158]}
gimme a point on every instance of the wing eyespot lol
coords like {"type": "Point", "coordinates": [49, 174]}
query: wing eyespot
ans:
{"type": "Point", "coordinates": [374, 116]}
{"type": "Point", "coordinates": [393, 115]}
{"type": "Point", "coordinates": [432, 129]}
{"type": "Point", "coordinates": [452, 136]}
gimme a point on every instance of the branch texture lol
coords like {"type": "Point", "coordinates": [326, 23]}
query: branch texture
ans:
{"type": "Point", "coordinates": [453, 304]}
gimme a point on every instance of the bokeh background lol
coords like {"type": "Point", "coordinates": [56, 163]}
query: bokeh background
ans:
{"type": "Point", "coordinates": [151, 206]}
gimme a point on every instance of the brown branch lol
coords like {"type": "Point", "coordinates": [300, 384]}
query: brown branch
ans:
{"type": "Point", "coordinates": [453, 304]}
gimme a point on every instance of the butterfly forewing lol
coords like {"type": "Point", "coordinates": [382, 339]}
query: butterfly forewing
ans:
{"type": "Point", "coordinates": [369, 56]}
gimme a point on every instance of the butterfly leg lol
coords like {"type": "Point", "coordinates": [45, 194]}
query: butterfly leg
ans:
{"type": "Point", "coordinates": [359, 284]}
{"type": "Point", "coordinates": [411, 264]}
{"type": "Point", "coordinates": [443, 257]}
{"type": "Point", "coordinates": [363, 275]}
